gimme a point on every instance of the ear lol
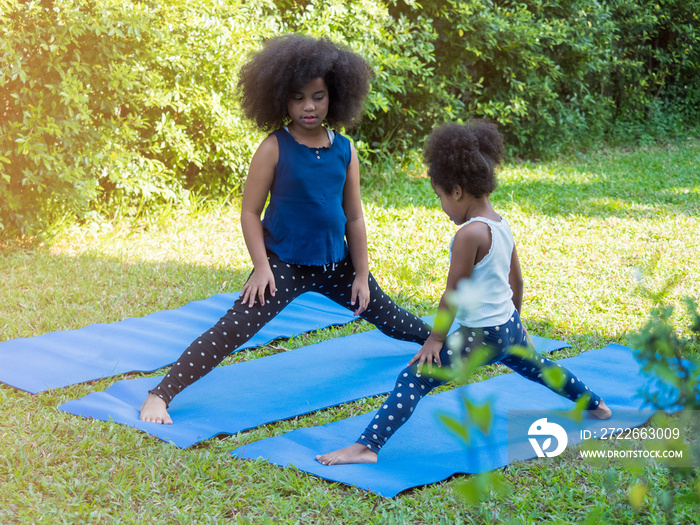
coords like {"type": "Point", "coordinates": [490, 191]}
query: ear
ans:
{"type": "Point", "coordinates": [457, 193]}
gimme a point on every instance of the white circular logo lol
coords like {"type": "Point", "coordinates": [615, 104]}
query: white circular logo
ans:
{"type": "Point", "coordinates": [542, 427]}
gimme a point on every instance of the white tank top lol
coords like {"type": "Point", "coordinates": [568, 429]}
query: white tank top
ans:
{"type": "Point", "coordinates": [489, 282]}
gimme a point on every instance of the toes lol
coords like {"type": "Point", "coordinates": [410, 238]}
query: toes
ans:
{"type": "Point", "coordinates": [324, 460]}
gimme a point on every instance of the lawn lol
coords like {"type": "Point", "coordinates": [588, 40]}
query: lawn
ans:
{"type": "Point", "coordinates": [588, 228]}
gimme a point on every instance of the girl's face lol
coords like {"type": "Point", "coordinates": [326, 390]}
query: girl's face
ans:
{"type": "Point", "coordinates": [453, 203]}
{"type": "Point", "coordinates": [308, 106]}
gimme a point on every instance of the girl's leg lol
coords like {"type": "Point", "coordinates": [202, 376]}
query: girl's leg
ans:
{"type": "Point", "coordinates": [528, 363]}
{"type": "Point", "coordinates": [411, 386]}
{"type": "Point", "coordinates": [391, 319]}
{"type": "Point", "coordinates": [239, 324]}
{"type": "Point", "coordinates": [336, 283]}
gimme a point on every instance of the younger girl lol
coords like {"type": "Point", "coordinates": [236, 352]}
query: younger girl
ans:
{"type": "Point", "coordinates": [312, 237]}
{"type": "Point", "coordinates": [461, 161]}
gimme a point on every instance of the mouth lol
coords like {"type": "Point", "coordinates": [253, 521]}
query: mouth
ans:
{"type": "Point", "coordinates": [309, 118]}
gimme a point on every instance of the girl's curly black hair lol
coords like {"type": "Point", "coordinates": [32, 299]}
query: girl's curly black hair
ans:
{"type": "Point", "coordinates": [289, 62]}
{"type": "Point", "coordinates": [464, 156]}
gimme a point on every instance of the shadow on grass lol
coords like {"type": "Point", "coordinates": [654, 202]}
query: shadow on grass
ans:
{"type": "Point", "coordinates": [44, 292]}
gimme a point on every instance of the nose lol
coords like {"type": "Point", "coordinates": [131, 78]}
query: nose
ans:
{"type": "Point", "coordinates": [309, 104]}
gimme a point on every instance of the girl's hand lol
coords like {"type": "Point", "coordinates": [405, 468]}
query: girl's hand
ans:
{"type": "Point", "coordinates": [429, 353]}
{"type": "Point", "coordinates": [255, 287]}
{"type": "Point", "coordinates": [360, 295]}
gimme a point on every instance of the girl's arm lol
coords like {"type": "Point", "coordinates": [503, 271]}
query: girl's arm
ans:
{"type": "Point", "coordinates": [471, 244]}
{"type": "Point", "coordinates": [257, 187]}
{"type": "Point", "coordinates": [516, 280]}
{"type": "Point", "coordinates": [356, 234]}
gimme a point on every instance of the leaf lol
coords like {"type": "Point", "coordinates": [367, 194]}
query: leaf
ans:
{"type": "Point", "coordinates": [443, 321]}
{"type": "Point", "coordinates": [554, 377]}
{"type": "Point", "coordinates": [481, 415]}
{"type": "Point", "coordinates": [636, 495]}
{"type": "Point", "coordinates": [457, 427]}
{"type": "Point", "coordinates": [469, 492]}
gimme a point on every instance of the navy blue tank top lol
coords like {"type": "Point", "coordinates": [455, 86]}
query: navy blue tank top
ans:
{"type": "Point", "coordinates": [304, 222]}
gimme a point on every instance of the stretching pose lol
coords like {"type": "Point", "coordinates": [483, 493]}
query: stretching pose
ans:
{"type": "Point", "coordinates": [461, 161]}
{"type": "Point", "coordinates": [312, 236]}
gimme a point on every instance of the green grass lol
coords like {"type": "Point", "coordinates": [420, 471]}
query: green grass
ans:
{"type": "Point", "coordinates": [585, 227]}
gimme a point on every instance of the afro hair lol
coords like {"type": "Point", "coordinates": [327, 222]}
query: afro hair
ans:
{"type": "Point", "coordinates": [464, 156]}
{"type": "Point", "coordinates": [289, 62]}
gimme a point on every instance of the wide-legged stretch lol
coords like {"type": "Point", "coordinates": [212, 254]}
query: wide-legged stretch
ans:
{"type": "Point", "coordinates": [241, 322]}
{"type": "Point", "coordinates": [499, 344]}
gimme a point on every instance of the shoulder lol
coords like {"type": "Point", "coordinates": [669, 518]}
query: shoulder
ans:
{"type": "Point", "coordinates": [270, 145]}
{"type": "Point", "coordinates": [345, 147]}
{"type": "Point", "coordinates": [471, 239]}
{"type": "Point", "coordinates": [476, 231]}
{"type": "Point", "coordinates": [267, 155]}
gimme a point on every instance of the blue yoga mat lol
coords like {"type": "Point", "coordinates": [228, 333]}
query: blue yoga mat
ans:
{"type": "Point", "coordinates": [144, 344]}
{"type": "Point", "coordinates": [424, 451]}
{"type": "Point", "coordinates": [246, 395]}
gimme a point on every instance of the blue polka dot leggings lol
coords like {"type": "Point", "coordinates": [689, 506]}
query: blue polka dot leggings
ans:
{"type": "Point", "coordinates": [498, 342]}
{"type": "Point", "coordinates": [241, 322]}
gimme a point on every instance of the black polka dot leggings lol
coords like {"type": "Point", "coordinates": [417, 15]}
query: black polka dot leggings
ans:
{"type": "Point", "coordinates": [498, 344]}
{"type": "Point", "coordinates": [241, 322]}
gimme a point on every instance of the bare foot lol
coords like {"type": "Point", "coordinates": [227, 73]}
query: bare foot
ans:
{"type": "Point", "coordinates": [154, 410]}
{"type": "Point", "coordinates": [355, 453]}
{"type": "Point", "coordinates": [602, 412]}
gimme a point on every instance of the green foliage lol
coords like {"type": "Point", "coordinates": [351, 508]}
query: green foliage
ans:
{"type": "Point", "coordinates": [113, 105]}
{"type": "Point", "coordinates": [668, 355]}
{"type": "Point", "coordinates": [554, 377]}
{"type": "Point", "coordinates": [478, 488]}
{"type": "Point", "coordinates": [553, 75]}
{"type": "Point", "coordinates": [662, 356]}
{"type": "Point", "coordinates": [656, 62]}
{"type": "Point", "coordinates": [526, 66]}
{"type": "Point", "coordinates": [475, 419]}
{"type": "Point", "coordinates": [672, 359]}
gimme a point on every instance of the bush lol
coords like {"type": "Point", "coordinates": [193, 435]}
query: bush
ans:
{"type": "Point", "coordinates": [112, 105]}
{"type": "Point", "coordinates": [657, 57]}
{"type": "Point", "coordinates": [553, 75]}
{"type": "Point", "coordinates": [655, 79]}
{"type": "Point", "coordinates": [530, 67]}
